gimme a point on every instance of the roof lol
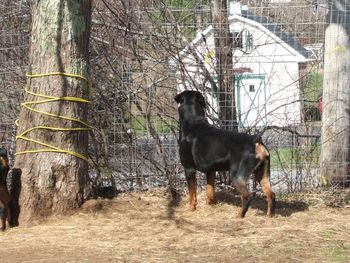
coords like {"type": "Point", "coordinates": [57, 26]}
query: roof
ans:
{"type": "Point", "coordinates": [263, 21]}
{"type": "Point", "coordinates": [277, 30]}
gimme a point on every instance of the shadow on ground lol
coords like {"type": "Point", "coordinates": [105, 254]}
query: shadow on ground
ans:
{"type": "Point", "coordinates": [283, 208]}
{"type": "Point", "coordinates": [174, 202]}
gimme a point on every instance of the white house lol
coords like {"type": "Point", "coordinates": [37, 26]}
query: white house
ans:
{"type": "Point", "coordinates": [266, 63]}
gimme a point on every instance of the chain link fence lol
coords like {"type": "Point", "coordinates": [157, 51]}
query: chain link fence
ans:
{"type": "Point", "coordinates": [144, 52]}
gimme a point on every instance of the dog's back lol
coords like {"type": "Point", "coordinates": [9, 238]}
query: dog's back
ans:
{"type": "Point", "coordinates": [208, 148]}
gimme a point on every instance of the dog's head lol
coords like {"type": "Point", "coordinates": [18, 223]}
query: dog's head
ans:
{"type": "Point", "coordinates": [191, 104]}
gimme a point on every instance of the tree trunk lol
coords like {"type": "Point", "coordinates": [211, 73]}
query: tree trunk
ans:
{"type": "Point", "coordinates": [53, 182]}
{"type": "Point", "coordinates": [224, 65]}
{"type": "Point", "coordinates": [336, 98]}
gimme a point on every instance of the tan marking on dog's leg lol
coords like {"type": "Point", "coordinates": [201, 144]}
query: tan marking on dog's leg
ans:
{"type": "Point", "coordinates": [270, 195]}
{"type": "Point", "coordinates": [211, 188]}
{"type": "Point", "coordinates": [262, 175]}
{"type": "Point", "coordinates": [192, 188]}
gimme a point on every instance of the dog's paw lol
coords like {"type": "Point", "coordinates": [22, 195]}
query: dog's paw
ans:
{"type": "Point", "coordinates": [270, 214]}
{"type": "Point", "coordinates": [211, 202]}
{"type": "Point", "coordinates": [192, 208]}
{"type": "Point", "coordinates": [240, 215]}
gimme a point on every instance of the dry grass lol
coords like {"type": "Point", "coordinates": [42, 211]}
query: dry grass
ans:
{"type": "Point", "coordinates": [147, 227]}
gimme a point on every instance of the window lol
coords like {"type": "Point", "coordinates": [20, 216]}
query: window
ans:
{"type": "Point", "coordinates": [248, 41]}
{"type": "Point", "coordinates": [251, 88]}
{"type": "Point", "coordinates": [243, 40]}
{"type": "Point", "coordinates": [237, 40]}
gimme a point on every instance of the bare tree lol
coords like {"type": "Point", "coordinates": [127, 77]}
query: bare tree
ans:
{"type": "Point", "coordinates": [224, 65]}
{"type": "Point", "coordinates": [52, 138]}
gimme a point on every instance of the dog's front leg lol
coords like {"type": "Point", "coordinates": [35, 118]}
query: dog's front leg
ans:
{"type": "Point", "coordinates": [210, 188]}
{"type": "Point", "coordinates": [2, 216]}
{"type": "Point", "coordinates": [192, 187]}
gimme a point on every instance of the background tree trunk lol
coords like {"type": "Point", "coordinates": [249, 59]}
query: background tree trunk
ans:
{"type": "Point", "coordinates": [54, 183]}
{"type": "Point", "coordinates": [224, 65]}
{"type": "Point", "coordinates": [336, 95]}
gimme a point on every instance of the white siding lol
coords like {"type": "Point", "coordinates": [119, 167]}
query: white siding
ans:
{"type": "Point", "coordinates": [270, 58]}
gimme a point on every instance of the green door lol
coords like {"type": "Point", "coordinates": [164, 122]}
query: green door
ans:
{"type": "Point", "coordinates": [251, 100]}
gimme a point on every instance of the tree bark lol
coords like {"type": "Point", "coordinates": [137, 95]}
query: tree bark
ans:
{"type": "Point", "coordinates": [224, 65]}
{"type": "Point", "coordinates": [54, 183]}
{"type": "Point", "coordinates": [335, 153]}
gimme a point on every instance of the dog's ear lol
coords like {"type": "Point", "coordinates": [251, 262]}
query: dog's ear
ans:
{"type": "Point", "coordinates": [200, 99]}
{"type": "Point", "coordinates": [178, 97]}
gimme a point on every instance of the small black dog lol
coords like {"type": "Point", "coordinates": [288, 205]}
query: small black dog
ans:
{"type": "Point", "coordinates": [208, 149]}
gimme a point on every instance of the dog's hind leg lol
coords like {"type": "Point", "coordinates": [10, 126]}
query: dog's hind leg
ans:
{"type": "Point", "coordinates": [262, 175]}
{"type": "Point", "coordinates": [210, 188]}
{"type": "Point", "coordinates": [240, 180]}
{"type": "Point", "coordinates": [192, 187]}
{"type": "Point", "coordinates": [241, 186]}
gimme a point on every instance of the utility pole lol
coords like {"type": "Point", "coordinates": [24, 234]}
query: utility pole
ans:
{"type": "Point", "coordinates": [335, 151]}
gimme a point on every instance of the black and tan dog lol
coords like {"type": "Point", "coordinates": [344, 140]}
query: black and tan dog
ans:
{"type": "Point", "coordinates": [208, 149]}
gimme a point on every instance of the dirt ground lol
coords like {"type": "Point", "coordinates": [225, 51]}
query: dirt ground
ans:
{"type": "Point", "coordinates": [148, 227]}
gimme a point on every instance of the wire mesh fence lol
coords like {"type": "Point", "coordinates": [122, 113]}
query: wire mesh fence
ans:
{"type": "Point", "coordinates": [258, 63]}
{"type": "Point", "coordinates": [14, 32]}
